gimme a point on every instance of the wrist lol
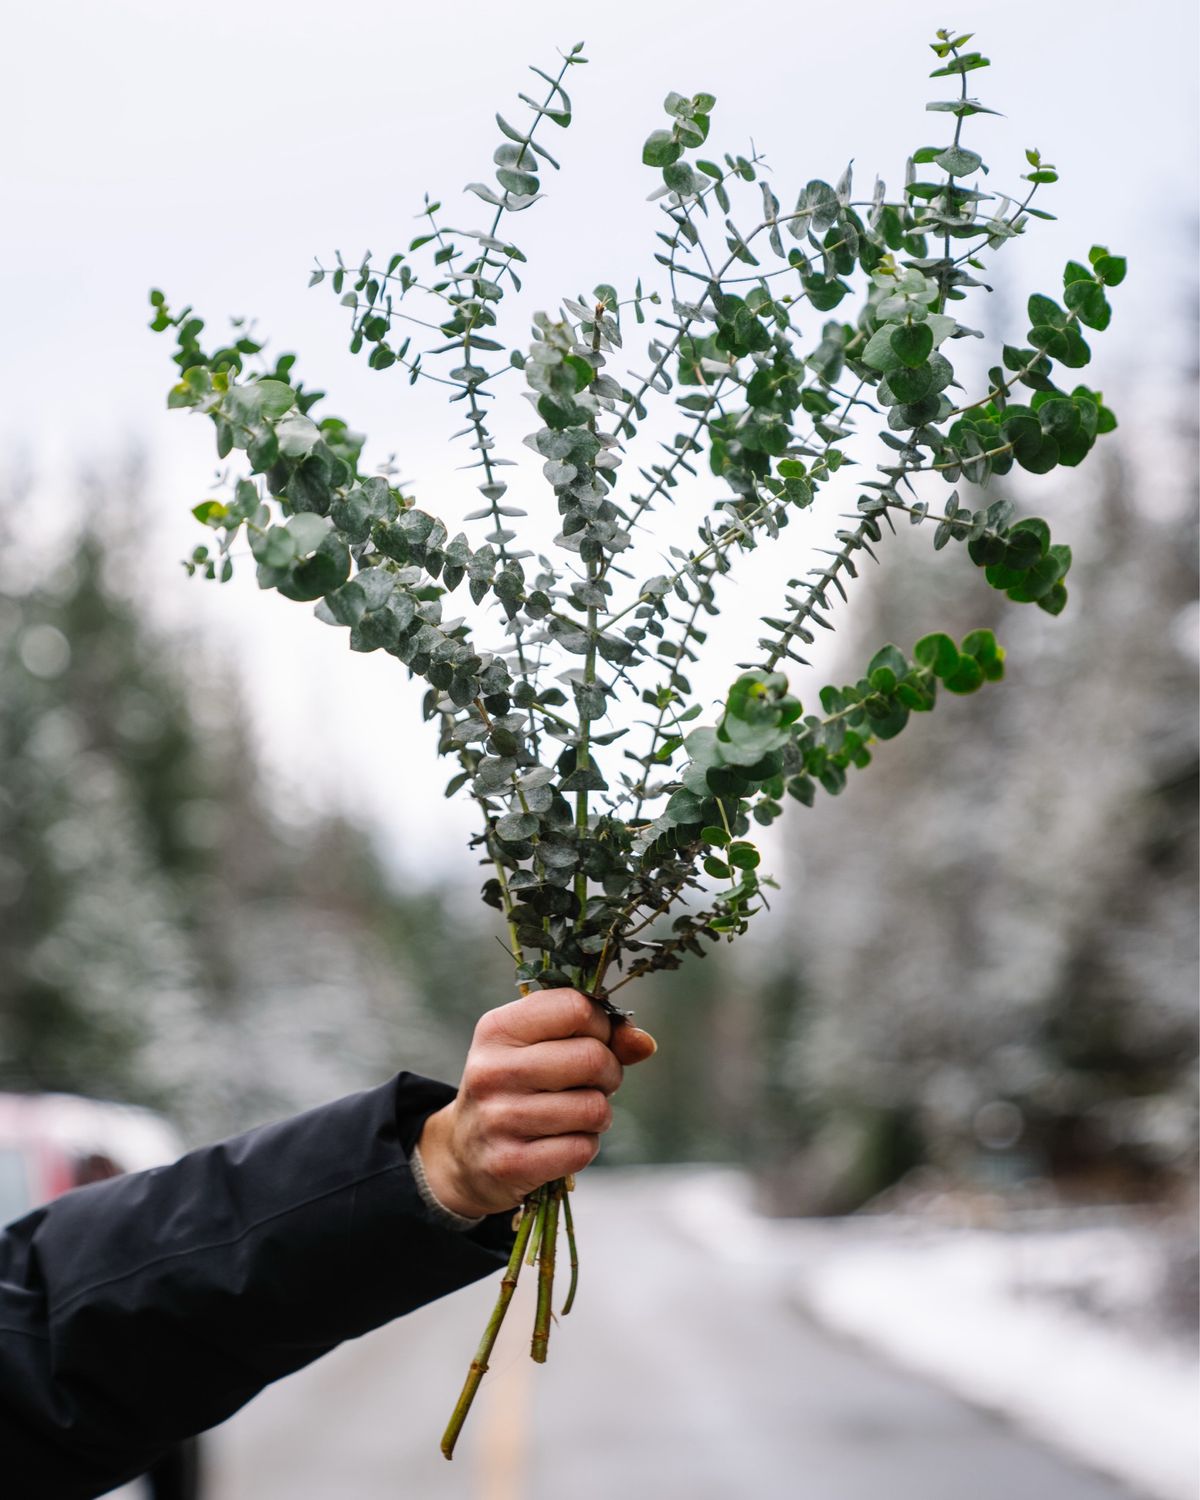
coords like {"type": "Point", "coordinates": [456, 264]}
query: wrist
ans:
{"type": "Point", "coordinates": [442, 1169]}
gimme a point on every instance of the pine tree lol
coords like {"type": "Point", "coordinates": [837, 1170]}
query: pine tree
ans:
{"type": "Point", "coordinates": [164, 937]}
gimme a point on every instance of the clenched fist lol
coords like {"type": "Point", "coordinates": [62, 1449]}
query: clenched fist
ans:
{"type": "Point", "coordinates": [533, 1100]}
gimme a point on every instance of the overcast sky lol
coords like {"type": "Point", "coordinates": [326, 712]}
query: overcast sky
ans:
{"type": "Point", "coordinates": [214, 150]}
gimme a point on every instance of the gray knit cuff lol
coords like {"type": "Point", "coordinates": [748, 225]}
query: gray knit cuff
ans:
{"type": "Point", "coordinates": [442, 1215]}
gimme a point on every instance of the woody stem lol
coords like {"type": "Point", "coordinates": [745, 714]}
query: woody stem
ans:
{"type": "Point", "coordinates": [487, 1343]}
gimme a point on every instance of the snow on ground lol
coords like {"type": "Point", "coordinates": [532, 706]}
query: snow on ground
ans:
{"type": "Point", "coordinates": [1022, 1321]}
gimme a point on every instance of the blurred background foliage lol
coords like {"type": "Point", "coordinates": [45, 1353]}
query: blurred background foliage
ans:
{"type": "Point", "coordinates": [980, 972]}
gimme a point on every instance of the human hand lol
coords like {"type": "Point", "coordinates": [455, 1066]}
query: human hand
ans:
{"type": "Point", "coordinates": [533, 1100]}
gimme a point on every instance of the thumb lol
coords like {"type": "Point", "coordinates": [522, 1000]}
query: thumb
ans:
{"type": "Point", "coordinates": [631, 1044]}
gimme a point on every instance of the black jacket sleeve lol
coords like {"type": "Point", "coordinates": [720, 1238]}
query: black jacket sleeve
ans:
{"type": "Point", "coordinates": [138, 1311]}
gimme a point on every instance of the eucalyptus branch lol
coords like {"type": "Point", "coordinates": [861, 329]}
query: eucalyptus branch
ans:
{"type": "Point", "coordinates": [738, 531]}
{"type": "Point", "coordinates": [633, 403]}
{"type": "Point", "coordinates": [954, 150]}
{"type": "Point", "coordinates": [817, 592]}
{"type": "Point", "coordinates": [583, 764]}
{"type": "Point", "coordinates": [666, 477]}
{"type": "Point", "coordinates": [670, 698]}
{"type": "Point", "coordinates": [779, 378]}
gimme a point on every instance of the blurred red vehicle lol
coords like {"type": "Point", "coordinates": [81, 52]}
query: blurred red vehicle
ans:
{"type": "Point", "coordinates": [50, 1143]}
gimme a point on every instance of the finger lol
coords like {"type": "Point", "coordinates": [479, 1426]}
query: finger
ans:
{"type": "Point", "coordinates": [547, 1015]}
{"type": "Point", "coordinates": [525, 1165]}
{"type": "Point", "coordinates": [630, 1044]}
{"type": "Point", "coordinates": [564, 1112]}
{"type": "Point", "coordinates": [573, 1063]}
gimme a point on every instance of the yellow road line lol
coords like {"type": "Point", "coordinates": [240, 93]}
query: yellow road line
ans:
{"type": "Point", "coordinates": [506, 1396]}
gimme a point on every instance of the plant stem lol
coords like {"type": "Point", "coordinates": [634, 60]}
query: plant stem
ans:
{"type": "Point", "coordinates": [535, 1239]}
{"type": "Point", "coordinates": [683, 448]}
{"type": "Point", "coordinates": [506, 895]}
{"type": "Point", "coordinates": [541, 1325]}
{"type": "Point", "coordinates": [944, 276]}
{"type": "Point", "coordinates": [479, 1364]}
{"type": "Point", "coordinates": [572, 1251]}
{"type": "Point", "coordinates": [583, 759]}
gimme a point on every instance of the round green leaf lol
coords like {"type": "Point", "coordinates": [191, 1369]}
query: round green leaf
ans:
{"type": "Point", "coordinates": [1055, 601]}
{"type": "Point", "coordinates": [1028, 542]}
{"type": "Point", "coordinates": [744, 856]}
{"type": "Point", "coordinates": [985, 550]}
{"type": "Point", "coordinates": [1074, 449]}
{"type": "Point", "coordinates": [938, 653]}
{"type": "Point", "coordinates": [275, 397]}
{"type": "Point", "coordinates": [1045, 311]}
{"type": "Point", "coordinates": [274, 550]}
{"type": "Point", "coordinates": [879, 353]}
{"type": "Point", "coordinates": [324, 571]}
{"type": "Point", "coordinates": [1076, 354]}
{"type": "Point", "coordinates": [348, 604]}
{"type": "Point", "coordinates": [516, 826]}
{"type": "Point", "coordinates": [1110, 269]}
{"type": "Point", "coordinates": [661, 149]}
{"type": "Point", "coordinates": [958, 161]}
{"type": "Point", "coordinates": [913, 697]}
{"type": "Point", "coordinates": [1059, 417]}
{"type": "Point", "coordinates": [824, 292]}
{"type": "Point", "coordinates": [297, 435]}
{"type": "Point", "coordinates": [982, 645]}
{"type": "Point", "coordinates": [263, 449]}
{"type": "Point", "coordinates": [308, 531]}
{"type": "Point", "coordinates": [912, 343]}
{"type": "Point", "coordinates": [889, 722]}
{"type": "Point", "coordinates": [523, 183]}
{"type": "Point", "coordinates": [968, 678]}
{"type": "Point", "coordinates": [683, 807]}
{"type": "Point", "coordinates": [888, 656]}
{"type": "Point", "coordinates": [1039, 458]}
{"type": "Point", "coordinates": [911, 383]}
{"type": "Point", "coordinates": [915, 413]}
{"type": "Point", "coordinates": [680, 178]}
{"type": "Point", "coordinates": [1087, 299]}
{"type": "Point", "coordinates": [308, 486]}
{"type": "Point", "coordinates": [1037, 581]}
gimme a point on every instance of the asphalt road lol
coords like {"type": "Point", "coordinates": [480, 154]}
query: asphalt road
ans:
{"type": "Point", "coordinates": [683, 1373]}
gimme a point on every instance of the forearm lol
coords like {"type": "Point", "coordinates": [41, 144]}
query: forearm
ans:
{"type": "Point", "coordinates": [144, 1309]}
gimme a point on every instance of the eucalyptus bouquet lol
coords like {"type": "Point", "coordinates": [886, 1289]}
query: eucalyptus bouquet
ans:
{"type": "Point", "coordinates": [618, 839]}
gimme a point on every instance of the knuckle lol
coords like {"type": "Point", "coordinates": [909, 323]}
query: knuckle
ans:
{"type": "Point", "coordinates": [594, 1056]}
{"type": "Point", "coordinates": [491, 1115]}
{"type": "Point", "coordinates": [579, 1007]}
{"type": "Point", "coordinates": [580, 1152]}
{"type": "Point", "coordinates": [595, 1111]}
{"type": "Point", "coordinates": [487, 1027]}
{"type": "Point", "coordinates": [597, 1065]}
{"type": "Point", "coordinates": [505, 1161]}
{"type": "Point", "coordinates": [485, 1074]}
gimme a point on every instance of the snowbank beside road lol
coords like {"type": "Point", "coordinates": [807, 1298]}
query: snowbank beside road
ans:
{"type": "Point", "coordinates": [956, 1312]}
{"type": "Point", "coordinates": [989, 1315]}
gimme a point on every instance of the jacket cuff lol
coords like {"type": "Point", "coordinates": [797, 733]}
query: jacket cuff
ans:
{"type": "Point", "coordinates": [440, 1213]}
{"type": "Point", "coordinates": [416, 1099]}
